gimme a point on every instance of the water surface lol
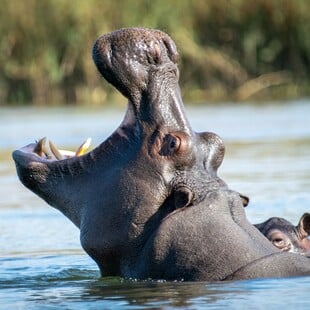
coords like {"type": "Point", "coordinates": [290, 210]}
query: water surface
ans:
{"type": "Point", "coordinates": [42, 265]}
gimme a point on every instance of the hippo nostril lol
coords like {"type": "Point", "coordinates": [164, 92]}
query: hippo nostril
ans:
{"type": "Point", "coordinates": [157, 53]}
{"type": "Point", "coordinates": [172, 50]}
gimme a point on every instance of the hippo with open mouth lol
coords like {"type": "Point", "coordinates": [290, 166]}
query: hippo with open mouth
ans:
{"type": "Point", "coordinates": [148, 201]}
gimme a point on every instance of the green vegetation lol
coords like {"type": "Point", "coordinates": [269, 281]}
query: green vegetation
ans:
{"type": "Point", "coordinates": [230, 49]}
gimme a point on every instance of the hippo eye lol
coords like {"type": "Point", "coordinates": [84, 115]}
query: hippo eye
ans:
{"type": "Point", "coordinates": [173, 143]}
{"type": "Point", "coordinates": [170, 146]}
{"type": "Point", "coordinates": [278, 240]}
{"type": "Point", "coordinates": [279, 243]}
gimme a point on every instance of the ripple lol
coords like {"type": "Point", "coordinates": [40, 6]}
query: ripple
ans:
{"type": "Point", "coordinates": [28, 272]}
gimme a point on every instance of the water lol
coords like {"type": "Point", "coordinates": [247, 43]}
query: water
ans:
{"type": "Point", "coordinates": [42, 265]}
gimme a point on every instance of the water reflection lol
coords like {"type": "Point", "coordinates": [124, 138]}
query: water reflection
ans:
{"type": "Point", "coordinates": [149, 293]}
{"type": "Point", "coordinates": [193, 295]}
{"type": "Point", "coordinates": [76, 289]}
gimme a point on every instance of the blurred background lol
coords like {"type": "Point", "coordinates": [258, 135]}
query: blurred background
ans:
{"type": "Point", "coordinates": [231, 50]}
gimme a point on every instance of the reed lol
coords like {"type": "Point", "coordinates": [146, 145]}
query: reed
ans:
{"type": "Point", "coordinates": [230, 50]}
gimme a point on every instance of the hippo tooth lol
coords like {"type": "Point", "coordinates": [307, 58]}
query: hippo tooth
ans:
{"type": "Point", "coordinates": [55, 151]}
{"type": "Point", "coordinates": [67, 153]}
{"type": "Point", "coordinates": [40, 145]}
{"type": "Point", "coordinates": [83, 148]}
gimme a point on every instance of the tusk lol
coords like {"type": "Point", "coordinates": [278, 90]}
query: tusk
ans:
{"type": "Point", "coordinates": [55, 151]}
{"type": "Point", "coordinates": [83, 148]}
{"type": "Point", "coordinates": [41, 148]}
{"type": "Point", "coordinates": [38, 149]}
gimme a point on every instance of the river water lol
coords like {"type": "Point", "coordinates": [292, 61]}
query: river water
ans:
{"type": "Point", "coordinates": [42, 265]}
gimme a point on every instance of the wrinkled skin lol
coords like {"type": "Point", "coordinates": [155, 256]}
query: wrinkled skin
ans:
{"type": "Point", "coordinates": [287, 237]}
{"type": "Point", "coordinates": [148, 201]}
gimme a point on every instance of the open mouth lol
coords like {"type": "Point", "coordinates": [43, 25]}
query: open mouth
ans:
{"type": "Point", "coordinates": [51, 152]}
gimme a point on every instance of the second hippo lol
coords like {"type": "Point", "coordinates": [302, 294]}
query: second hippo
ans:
{"type": "Point", "coordinates": [287, 237]}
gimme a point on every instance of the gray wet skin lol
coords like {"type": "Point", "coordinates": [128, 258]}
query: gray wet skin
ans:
{"type": "Point", "coordinates": [148, 201]}
{"type": "Point", "coordinates": [287, 237]}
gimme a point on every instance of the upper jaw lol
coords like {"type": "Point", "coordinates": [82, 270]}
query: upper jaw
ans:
{"type": "Point", "coordinates": [130, 67]}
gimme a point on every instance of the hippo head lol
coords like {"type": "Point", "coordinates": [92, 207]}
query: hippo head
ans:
{"type": "Point", "coordinates": [287, 237]}
{"type": "Point", "coordinates": [153, 165]}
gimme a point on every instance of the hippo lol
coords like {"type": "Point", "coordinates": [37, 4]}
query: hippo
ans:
{"type": "Point", "coordinates": [287, 237]}
{"type": "Point", "coordinates": [148, 201]}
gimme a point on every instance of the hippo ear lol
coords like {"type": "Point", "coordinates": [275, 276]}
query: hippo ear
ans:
{"type": "Point", "coordinates": [303, 226]}
{"type": "Point", "coordinates": [214, 150]}
{"type": "Point", "coordinates": [245, 200]}
{"type": "Point", "coordinates": [183, 197]}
